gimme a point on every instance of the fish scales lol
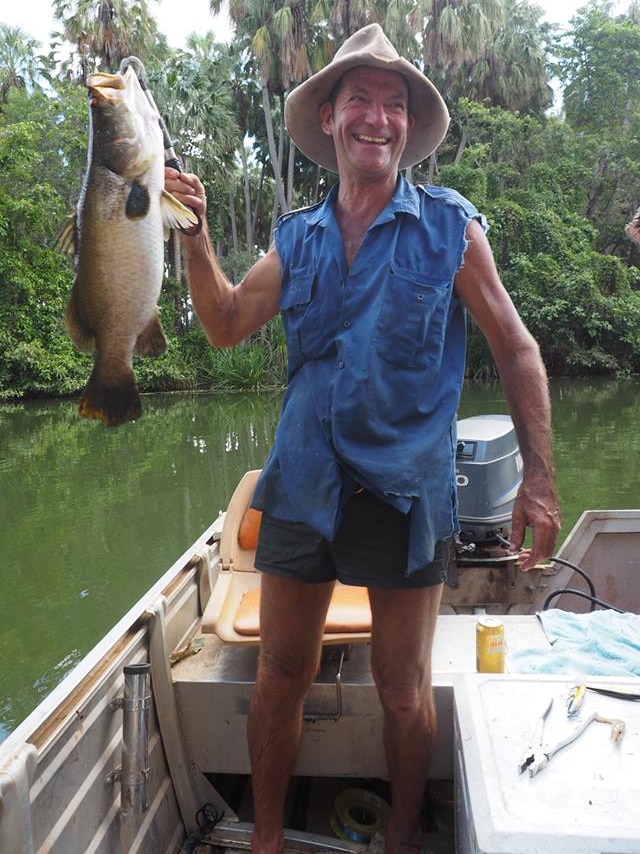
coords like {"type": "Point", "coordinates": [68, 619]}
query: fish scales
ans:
{"type": "Point", "coordinates": [117, 235]}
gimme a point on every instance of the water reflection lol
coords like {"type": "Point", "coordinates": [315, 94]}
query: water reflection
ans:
{"type": "Point", "coordinates": [92, 516]}
{"type": "Point", "coordinates": [595, 438]}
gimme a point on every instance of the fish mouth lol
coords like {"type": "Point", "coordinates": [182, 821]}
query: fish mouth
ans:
{"type": "Point", "coordinates": [106, 87]}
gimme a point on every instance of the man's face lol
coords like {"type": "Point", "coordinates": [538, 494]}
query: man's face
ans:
{"type": "Point", "coordinates": [369, 121]}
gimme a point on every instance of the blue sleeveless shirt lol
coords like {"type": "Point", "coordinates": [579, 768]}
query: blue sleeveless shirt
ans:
{"type": "Point", "coordinates": [376, 365]}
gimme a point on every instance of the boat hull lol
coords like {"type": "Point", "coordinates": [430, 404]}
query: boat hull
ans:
{"type": "Point", "coordinates": [59, 791]}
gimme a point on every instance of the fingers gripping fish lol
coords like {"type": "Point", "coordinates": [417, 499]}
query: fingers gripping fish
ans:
{"type": "Point", "coordinates": [117, 236]}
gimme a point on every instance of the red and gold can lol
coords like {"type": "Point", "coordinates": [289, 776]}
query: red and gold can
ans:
{"type": "Point", "coordinates": [490, 645]}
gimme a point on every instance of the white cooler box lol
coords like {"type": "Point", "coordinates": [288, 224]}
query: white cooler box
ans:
{"type": "Point", "coordinates": [587, 799]}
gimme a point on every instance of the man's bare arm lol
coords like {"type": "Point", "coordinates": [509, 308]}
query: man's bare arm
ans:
{"type": "Point", "coordinates": [227, 313]}
{"type": "Point", "coordinates": [525, 387]}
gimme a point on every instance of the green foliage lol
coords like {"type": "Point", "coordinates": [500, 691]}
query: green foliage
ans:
{"type": "Point", "coordinates": [35, 355]}
{"type": "Point", "coordinates": [556, 190]}
{"type": "Point", "coordinates": [256, 365]}
{"type": "Point", "coordinates": [597, 65]}
{"type": "Point", "coordinates": [533, 186]}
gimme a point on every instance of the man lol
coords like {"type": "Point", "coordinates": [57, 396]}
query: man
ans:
{"type": "Point", "coordinates": [372, 285]}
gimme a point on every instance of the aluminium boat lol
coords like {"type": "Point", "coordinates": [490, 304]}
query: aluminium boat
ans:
{"type": "Point", "coordinates": [142, 747]}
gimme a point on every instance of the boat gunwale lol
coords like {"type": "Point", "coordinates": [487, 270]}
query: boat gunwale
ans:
{"type": "Point", "coordinates": [54, 711]}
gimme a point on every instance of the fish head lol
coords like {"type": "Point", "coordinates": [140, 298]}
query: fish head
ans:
{"type": "Point", "coordinates": [125, 126]}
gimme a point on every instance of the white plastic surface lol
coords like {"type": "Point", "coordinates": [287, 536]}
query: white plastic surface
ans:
{"type": "Point", "coordinates": [586, 801]}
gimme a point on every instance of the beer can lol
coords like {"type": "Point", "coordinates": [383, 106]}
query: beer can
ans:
{"type": "Point", "coordinates": [490, 645]}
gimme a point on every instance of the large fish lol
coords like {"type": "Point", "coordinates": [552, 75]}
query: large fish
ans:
{"type": "Point", "coordinates": [117, 235]}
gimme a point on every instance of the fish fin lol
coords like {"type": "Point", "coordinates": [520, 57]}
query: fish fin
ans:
{"type": "Point", "coordinates": [151, 341]}
{"type": "Point", "coordinates": [67, 239]}
{"type": "Point", "coordinates": [113, 403]}
{"type": "Point", "coordinates": [175, 214]}
{"type": "Point", "coordinates": [137, 206]}
{"type": "Point", "coordinates": [79, 331]}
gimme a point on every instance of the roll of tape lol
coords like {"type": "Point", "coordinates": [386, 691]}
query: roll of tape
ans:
{"type": "Point", "coordinates": [358, 814]}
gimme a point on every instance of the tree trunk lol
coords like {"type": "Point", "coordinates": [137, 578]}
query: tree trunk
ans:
{"type": "Point", "coordinates": [460, 150]}
{"type": "Point", "coordinates": [290, 172]}
{"type": "Point", "coordinates": [248, 218]}
{"type": "Point", "coordinates": [281, 136]}
{"type": "Point", "coordinates": [234, 227]}
{"type": "Point", "coordinates": [432, 167]}
{"type": "Point", "coordinates": [256, 212]}
{"type": "Point", "coordinates": [597, 186]}
{"type": "Point", "coordinates": [275, 160]}
{"type": "Point", "coordinates": [232, 215]}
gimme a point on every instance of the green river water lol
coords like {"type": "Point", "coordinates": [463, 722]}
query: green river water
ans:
{"type": "Point", "coordinates": [91, 517]}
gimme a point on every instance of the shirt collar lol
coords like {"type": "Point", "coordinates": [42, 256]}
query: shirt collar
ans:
{"type": "Point", "coordinates": [404, 200]}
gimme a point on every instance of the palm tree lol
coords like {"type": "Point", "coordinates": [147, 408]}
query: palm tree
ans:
{"type": "Point", "coordinates": [512, 72]}
{"type": "Point", "coordinates": [291, 39]}
{"type": "Point", "coordinates": [106, 31]}
{"type": "Point", "coordinates": [455, 32]}
{"type": "Point", "coordinates": [486, 50]}
{"type": "Point", "coordinates": [194, 93]}
{"type": "Point", "coordinates": [20, 66]}
{"type": "Point", "coordinates": [286, 46]}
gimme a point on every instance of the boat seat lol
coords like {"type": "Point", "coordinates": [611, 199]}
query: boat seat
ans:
{"type": "Point", "coordinates": [233, 610]}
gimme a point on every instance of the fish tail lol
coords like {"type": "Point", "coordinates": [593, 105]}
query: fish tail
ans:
{"type": "Point", "coordinates": [113, 403]}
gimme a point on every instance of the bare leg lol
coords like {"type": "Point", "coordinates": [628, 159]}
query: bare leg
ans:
{"type": "Point", "coordinates": [403, 629]}
{"type": "Point", "coordinates": [292, 618]}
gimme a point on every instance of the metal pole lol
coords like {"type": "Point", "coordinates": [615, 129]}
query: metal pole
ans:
{"type": "Point", "coordinates": [135, 739]}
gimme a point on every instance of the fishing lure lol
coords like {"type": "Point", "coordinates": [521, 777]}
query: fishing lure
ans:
{"type": "Point", "coordinates": [575, 700]}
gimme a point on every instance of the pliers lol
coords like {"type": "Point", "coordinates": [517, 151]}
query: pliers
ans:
{"type": "Point", "coordinates": [534, 755]}
{"type": "Point", "coordinates": [536, 759]}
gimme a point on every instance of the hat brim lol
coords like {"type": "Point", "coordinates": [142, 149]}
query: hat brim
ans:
{"type": "Point", "coordinates": [302, 110]}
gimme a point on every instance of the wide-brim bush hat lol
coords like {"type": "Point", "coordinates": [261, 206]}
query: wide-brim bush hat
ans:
{"type": "Point", "coordinates": [368, 46]}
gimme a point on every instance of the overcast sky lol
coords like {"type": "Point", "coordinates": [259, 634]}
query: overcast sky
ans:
{"type": "Point", "coordinates": [178, 18]}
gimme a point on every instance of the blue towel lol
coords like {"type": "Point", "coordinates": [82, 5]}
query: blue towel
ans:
{"type": "Point", "coordinates": [601, 643]}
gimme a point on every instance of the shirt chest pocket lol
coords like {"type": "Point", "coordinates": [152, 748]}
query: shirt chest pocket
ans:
{"type": "Point", "coordinates": [306, 318]}
{"type": "Point", "coordinates": [410, 328]}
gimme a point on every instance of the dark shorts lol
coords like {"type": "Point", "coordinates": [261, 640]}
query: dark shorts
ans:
{"type": "Point", "coordinates": [370, 549]}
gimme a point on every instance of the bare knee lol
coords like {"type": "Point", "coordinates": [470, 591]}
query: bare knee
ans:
{"type": "Point", "coordinates": [286, 673]}
{"type": "Point", "coordinates": [405, 695]}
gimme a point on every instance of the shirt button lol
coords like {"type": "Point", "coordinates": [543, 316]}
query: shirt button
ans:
{"type": "Point", "coordinates": [347, 324]}
{"type": "Point", "coordinates": [341, 364]}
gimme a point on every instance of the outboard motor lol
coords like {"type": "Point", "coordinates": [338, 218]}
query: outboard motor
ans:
{"type": "Point", "coordinates": [488, 474]}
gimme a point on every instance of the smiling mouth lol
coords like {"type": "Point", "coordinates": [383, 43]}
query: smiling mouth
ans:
{"type": "Point", "coordinates": [371, 140]}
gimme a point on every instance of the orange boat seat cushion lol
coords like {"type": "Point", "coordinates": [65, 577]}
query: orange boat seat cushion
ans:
{"type": "Point", "coordinates": [249, 529]}
{"type": "Point", "coordinates": [349, 611]}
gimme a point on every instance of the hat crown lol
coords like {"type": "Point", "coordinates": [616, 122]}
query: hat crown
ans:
{"type": "Point", "coordinates": [368, 40]}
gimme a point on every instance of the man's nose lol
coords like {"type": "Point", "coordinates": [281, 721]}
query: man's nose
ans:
{"type": "Point", "coordinates": [376, 114]}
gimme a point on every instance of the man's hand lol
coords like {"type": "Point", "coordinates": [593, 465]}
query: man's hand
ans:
{"type": "Point", "coordinates": [536, 507]}
{"type": "Point", "coordinates": [188, 189]}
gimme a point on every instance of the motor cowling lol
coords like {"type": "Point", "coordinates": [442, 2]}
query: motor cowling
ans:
{"type": "Point", "coordinates": [488, 474]}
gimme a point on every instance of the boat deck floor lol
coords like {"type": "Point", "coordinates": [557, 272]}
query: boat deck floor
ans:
{"type": "Point", "coordinates": [310, 804]}
{"type": "Point", "coordinates": [220, 678]}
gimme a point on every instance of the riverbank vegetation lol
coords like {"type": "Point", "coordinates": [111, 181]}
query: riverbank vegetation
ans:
{"type": "Point", "coordinates": [557, 181]}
